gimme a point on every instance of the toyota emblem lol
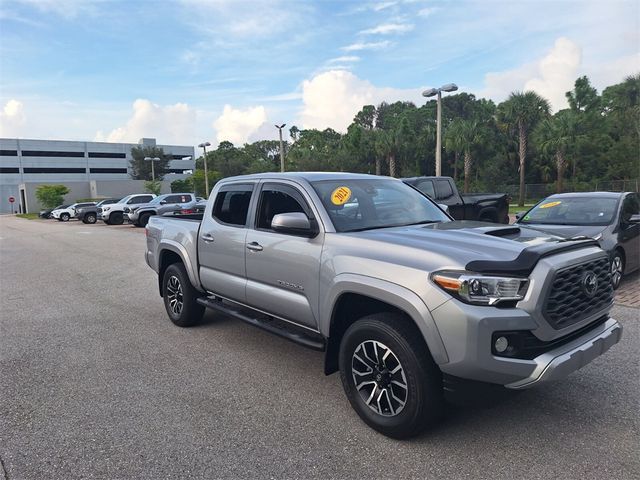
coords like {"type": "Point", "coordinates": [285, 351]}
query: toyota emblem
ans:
{"type": "Point", "coordinates": [590, 284]}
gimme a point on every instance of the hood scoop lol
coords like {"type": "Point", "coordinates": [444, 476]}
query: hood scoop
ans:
{"type": "Point", "coordinates": [503, 232]}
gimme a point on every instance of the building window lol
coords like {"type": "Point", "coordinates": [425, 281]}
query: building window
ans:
{"type": "Point", "coordinates": [53, 170]}
{"type": "Point", "coordinates": [45, 153]}
{"type": "Point", "coordinates": [108, 170]}
{"type": "Point", "coordinates": [106, 155]}
{"type": "Point", "coordinates": [8, 153]}
{"type": "Point", "coordinates": [178, 157]}
{"type": "Point", "coordinates": [9, 170]}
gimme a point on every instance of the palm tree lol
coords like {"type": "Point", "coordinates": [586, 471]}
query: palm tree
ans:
{"type": "Point", "coordinates": [453, 142]}
{"type": "Point", "coordinates": [557, 135]}
{"type": "Point", "coordinates": [469, 134]}
{"type": "Point", "coordinates": [393, 142]}
{"type": "Point", "coordinates": [522, 111]}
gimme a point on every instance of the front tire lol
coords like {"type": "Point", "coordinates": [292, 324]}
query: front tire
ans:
{"type": "Point", "coordinates": [617, 268]}
{"type": "Point", "coordinates": [90, 218]}
{"type": "Point", "coordinates": [180, 298]}
{"type": "Point", "coordinates": [389, 376]}
{"type": "Point", "coordinates": [64, 217]}
{"type": "Point", "coordinates": [116, 218]}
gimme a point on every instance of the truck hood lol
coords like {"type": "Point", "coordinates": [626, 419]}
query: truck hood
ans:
{"type": "Point", "coordinates": [473, 243]}
{"type": "Point", "coordinates": [567, 231]}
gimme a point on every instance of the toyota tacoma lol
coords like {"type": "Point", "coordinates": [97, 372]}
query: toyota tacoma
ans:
{"type": "Point", "coordinates": [404, 301]}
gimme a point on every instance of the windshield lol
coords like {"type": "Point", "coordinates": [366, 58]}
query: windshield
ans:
{"type": "Point", "coordinates": [157, 200]}
{"type": "Point", "coordinates": [572, 211]}
{"type": "Point", "coordinates": [367, 204]}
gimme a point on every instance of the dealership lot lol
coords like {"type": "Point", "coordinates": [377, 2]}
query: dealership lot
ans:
{"type": "Point", "coordinates": [97, 383]}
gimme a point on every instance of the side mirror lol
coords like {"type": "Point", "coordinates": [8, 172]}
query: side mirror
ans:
{"type": "Point", "coordinates": [519, 215]}
{"type": "Point", "coordinates": [635, 218]}
{"type": "Point", "coordinates": [163, 202]}
{"type": "Point", "coordinates": [444, 207]}
{"type": "Point", "coordinates": [293, 223]}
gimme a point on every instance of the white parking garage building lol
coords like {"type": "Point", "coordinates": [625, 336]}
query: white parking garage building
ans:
{"type": "Point", "coordinates": [88, 169]}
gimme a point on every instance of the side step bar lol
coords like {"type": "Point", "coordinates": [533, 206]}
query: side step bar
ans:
{"type": "Point", "coordinates": [267, 323]}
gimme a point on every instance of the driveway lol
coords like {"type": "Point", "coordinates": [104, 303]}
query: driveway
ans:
{"type": "Point", "coordinates": [97, 383]}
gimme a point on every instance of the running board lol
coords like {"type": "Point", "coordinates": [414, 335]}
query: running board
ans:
{"type": "Point", "coordinates": [268, 323]}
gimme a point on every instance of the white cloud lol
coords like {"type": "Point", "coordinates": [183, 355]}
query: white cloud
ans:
{"type": "Point", "coordinates": [239, 126]}
{"type": "Point", "coordinates": [427, 12]}
{"type": "Point", "coordinates": [12, 119]}
{"type": "Point", "coordinates": [382, 5]}
{"type": "Point", "coordinates": [168, 124]}
{"type": "Point", "coordinates": [332, 99]}
{"type": "Point", "coordinates": [388, 28]}
{"type": "Point", "coordinates": [555, 73]}
{"type": "Point", "coordinates": [344, 59]}
{"type": "Point", "coordinates": [366, 46]}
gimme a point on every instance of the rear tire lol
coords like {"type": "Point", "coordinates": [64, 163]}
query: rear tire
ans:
{"type": "Point", "coordinates": [180, 298]}
{"type": "Point", "coordinates": [116, 218]}
{"type": "Point", "coordinates": [143, 219]}
{"type": "Point", "coordinates": [383, 352]}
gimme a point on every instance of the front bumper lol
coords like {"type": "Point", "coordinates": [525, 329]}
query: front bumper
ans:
{"type": "Point", "coordinates": [559, 363]}
{"type": "Point", "coordinates": [467, 331]}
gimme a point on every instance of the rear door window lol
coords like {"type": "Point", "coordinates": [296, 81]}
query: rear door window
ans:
{"type": "Point", "coordinates": [443, 190]}
{"type": "Point", "coordinates": [231, 206]}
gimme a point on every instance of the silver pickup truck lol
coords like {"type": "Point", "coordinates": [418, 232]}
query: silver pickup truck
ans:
{"type": "Point", "coordinates": [405, 302]}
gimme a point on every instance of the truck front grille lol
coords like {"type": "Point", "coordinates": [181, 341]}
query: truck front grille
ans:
{"type": "Point", "coordinates": [570, 301]}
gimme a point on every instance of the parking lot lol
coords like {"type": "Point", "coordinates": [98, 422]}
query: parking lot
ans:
{"type": "Point", "coordinates": [97, 383]}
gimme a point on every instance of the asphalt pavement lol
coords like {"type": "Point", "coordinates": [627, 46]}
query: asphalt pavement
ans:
{"type": "Point", "coordinates": [95, 382]}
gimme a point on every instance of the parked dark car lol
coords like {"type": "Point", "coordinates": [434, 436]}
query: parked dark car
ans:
{"type": "Point", "coordinates": [89, 214]}
{"type": "Point", "coordinates": [613, 219]}
{"type": "Point", "coordinates": [486, 207]}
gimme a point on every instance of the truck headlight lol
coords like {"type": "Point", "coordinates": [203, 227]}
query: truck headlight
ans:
{"type": "Point", "coordinates": [480, 289]}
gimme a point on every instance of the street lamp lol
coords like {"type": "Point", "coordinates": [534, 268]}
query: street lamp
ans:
{"type": "Point", "coordinates": [280, 127]}
{"type": "Point", "coordinates": [204, 146]}
{"type": "Point", "coordinates": [449, 87]}
{"type": "Point", "coordinates": [153, 170]}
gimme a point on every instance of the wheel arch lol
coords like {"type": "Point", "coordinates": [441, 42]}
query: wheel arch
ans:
{"type": "Point", "coordinates": [169, 253]}
{"type": "Point", "coordinates": [355, 298]}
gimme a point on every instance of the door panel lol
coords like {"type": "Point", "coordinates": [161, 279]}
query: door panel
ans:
{"type": "Point", "coordinates": [221, 243]}
{"type": "Point", "coordinates": [283, 270]}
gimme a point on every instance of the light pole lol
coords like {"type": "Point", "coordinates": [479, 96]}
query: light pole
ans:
{"type": "Point", "coordinates": [204, 146]}
{"type": "Point", "coordinates": [449, 87]}
{"type": "Point", "coordinates": [153, 170]}
{"type": "Point", "coordinates": [280, 127]}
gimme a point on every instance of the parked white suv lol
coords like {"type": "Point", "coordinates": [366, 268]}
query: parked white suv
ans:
{"type": "Point", "coordinates": [65, 214]}
{"type": "Point", "coordinates": [113, 214]}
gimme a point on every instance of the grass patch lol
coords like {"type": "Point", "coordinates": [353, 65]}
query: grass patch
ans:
{"type": "Point", "coordinates": [28, 216]}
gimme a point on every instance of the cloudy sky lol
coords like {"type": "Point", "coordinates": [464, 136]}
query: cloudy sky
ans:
{"type": "Point", "coordinates": [193, 70]}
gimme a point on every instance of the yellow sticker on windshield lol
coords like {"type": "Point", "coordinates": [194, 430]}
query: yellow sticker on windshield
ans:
{"type": "Point", "coordinates": [550, 204]}
{"type": "Point", "coordinates": [341, 195]}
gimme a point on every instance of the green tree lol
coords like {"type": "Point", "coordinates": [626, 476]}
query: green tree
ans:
{"type": "Point", "coordinates": [522, 111]}
{"type": "Point", "coordinates": [197, 180]}
{"type": "Point", "coordinates": [467, 135]}
{"type": "Point", "coordinates": [153, 186]}
{"type": "Point", "coordinates": [557, 136]}
{"type": "Point", "coordinates": [141, 168]}
{"type": "Point", "coordinates": [51, 196]}
{"type": "Point", "coordinates": [583, 97]}
{"type": "Point", "coordinates": [182, 186]}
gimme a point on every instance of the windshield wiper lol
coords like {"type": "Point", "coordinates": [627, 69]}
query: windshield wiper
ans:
{"type": "Point", "coordinates": [392, 226]}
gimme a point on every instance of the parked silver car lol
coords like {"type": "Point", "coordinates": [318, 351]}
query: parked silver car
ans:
{"type": "Point", "coordinates": [162, 204]}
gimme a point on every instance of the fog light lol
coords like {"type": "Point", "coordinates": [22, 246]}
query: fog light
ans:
{"type": "Point", "coordinates": [501, 344]}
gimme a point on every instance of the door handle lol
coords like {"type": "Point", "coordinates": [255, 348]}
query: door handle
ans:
{"type": "Point", "coordinates": [254, 247]}
{"type": "Point", "coordinates": [207, 237]}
